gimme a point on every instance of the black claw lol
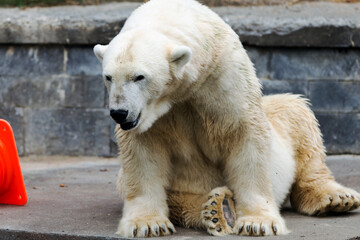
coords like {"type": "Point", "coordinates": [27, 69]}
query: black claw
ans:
{"type": "Point", "coordinates": [163, 229]}
{"type": "Point", "coordinates": [346, 195]}
{"type": "Point", "coordinates": [255, 229]}
{"type": "Point", "coordinates": [218, 229]}
{"type": "Point", "coordinates": [262, 229]}
{"type": "Point", "coordinates": [341, 197]}
{"type": "Point", "coordinates": [134, 232]}
{"type": "Point", "coordinates": [171, 231]}
{"type": "Point", "coordinates": [346, 204]}
{"type": "Point", "coordinates": [352, 196]}
{"type": "Point", "coordinates": [337, 205]}
{"type": "Point", "coordinates": [215, 220]}
{"type": "Point", "coordinates": [240, 229]}
{"type": "Point", "coordinates": [209, 197]}
{"type": "Point", "coordinates": [275, 229]}
{"type": "Point", "coordinates": [248, 228]}
{"type": "Point", "coordinates": [213, 212]}
{"type": "Point", "coordinates": [213, 203]}
{"type": "Point", "coordinates": [216, 195]}
{"type": "Point", "coordinates": [157, 231]}
{"type": "Point", "coordinates": [330, 198]}
{"type": "Point", "coordinates": [146, 232]}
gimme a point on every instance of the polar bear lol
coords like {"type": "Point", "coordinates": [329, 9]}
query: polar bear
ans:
{"type": "Point", "coordinates": [199, 145]}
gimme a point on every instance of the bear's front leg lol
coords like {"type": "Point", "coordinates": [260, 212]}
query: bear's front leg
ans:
{"type": "Point", "coordinates": [248, 175]}
{"type": "Point", "coordinates": [145, 217]}
{"type": "Point", "coordinates": [142, 181]}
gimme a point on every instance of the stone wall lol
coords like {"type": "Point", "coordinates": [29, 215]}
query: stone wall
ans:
{"type": "Point", "coordinates": [330, 78]}
{"type": "Point", "coordinates": [55, 100]}
{"type": "Point", "coordinates": [51, 90]}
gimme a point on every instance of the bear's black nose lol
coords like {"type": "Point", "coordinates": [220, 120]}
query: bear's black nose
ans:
{"type": "Point", "coordinates": [119, 115]}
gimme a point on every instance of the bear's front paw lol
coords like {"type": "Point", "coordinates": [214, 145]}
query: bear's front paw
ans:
{"type": "Point", "coordinates": [145, 226]}
{"type": "Point", "coordinates": [218, 213]}
{"type": "Point", "coordinates": [260, 226]}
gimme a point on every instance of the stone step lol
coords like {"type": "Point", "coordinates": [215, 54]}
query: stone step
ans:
{"type": "Point", "coordinates": [306, 24]}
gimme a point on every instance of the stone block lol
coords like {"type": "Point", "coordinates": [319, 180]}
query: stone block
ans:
{"type": "Point", "coordinates": [341, 132]}
{"type": "Point", "coordinates": [15, 116]}
{"type": "Point", "coordinates": [82, 61]}
{"type": "Point", "coordinates": [114, 149]}
{"type": "Point", "coordinates": [315, 24]}
{"type": "Point", "coordinates": [260, 57]}
{"type": "Point", "coordinates": [67, 131]}
{"type": "Point", "coordinates": [31, 60]}
{"type": "Point", "coordinates": [335, 96]}
{"type": "Point", "coordinates": [85, 91]}
{"type": "Point", "coordinates": [112, 130]}
{"type": "Point", "coordinates": [52, 91]}
{"type": "Point", "coordinates": [283, 86]}
{"type": "Point", "coordinates": [64, 24]}
{"type": "Point", "coordinates": [315, 64]}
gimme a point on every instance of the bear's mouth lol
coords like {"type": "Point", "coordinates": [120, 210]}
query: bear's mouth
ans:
{"type": "Point", "coordinates": [130, 125]}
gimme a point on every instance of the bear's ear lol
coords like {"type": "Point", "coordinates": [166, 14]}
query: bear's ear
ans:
{"type": "Point", "coordinates": [180, 55]}
{"type": "Point", "coordinates": [99, 51]}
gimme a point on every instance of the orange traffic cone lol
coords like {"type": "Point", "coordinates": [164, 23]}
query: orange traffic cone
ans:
{"type": "Point", "coordinates": [12, 187]}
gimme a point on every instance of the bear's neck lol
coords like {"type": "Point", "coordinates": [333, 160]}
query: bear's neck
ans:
{"type": "Point", "coordinates": [225, 101]}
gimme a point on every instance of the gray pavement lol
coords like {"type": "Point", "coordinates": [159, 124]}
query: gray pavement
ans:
{"type": "Point", "coordinates": [76, 198]}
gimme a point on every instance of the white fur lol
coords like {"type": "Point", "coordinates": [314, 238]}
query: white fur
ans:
{"type": "Point", "coordinates": [180, 55]}
{"type": "Point", "coordinates": [152, 113]}
{"type": "Point", "coordinates": [283, 167]}
{"type": "Point", "coordinates": [99, 51]}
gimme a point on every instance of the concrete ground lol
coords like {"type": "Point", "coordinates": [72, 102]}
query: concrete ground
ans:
{"type": "Point", "coordinates": [76, 198]}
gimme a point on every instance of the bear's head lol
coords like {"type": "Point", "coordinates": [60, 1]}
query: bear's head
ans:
{"type": "Point", "coordinates": [142, 71]}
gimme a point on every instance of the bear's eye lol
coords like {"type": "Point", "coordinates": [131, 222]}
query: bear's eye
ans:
{"type": "Point", "coordinates": [139, 78]}
{"type": "Point", "coordinates": [108, 78]}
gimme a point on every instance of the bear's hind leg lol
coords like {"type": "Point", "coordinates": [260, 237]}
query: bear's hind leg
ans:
{"type": "Point", "coordinates": [316, 192]}
{"type": "Point", "coordinates": [214, 212]}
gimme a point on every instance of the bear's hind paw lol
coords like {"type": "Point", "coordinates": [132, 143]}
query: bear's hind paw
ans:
{"type": "Point", "coordinates": [339, 200]}
{"type": "Point", "coordinates": [218, 213]}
